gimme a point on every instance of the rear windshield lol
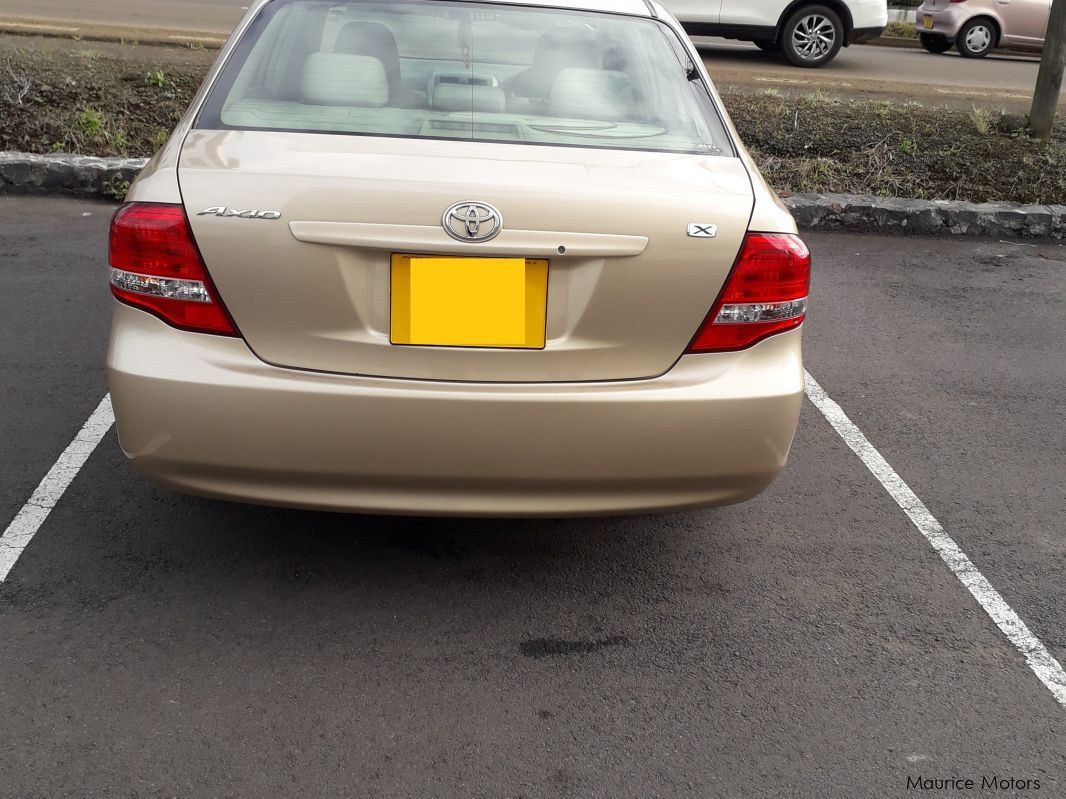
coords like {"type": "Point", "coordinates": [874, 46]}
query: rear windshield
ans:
{"type": "Point", "coordinates": [435, 69]}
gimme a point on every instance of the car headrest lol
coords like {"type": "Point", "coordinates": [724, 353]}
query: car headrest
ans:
{"type": "Point", "coordinates": [601, 94]}
{"type": "Point", "coordinates": [457, 97]}
{"type": "Point", "coordinates": [556, 50]}
{"type": "Point", "coordinates": [372, 39]}
{"type": "Point", "coordinates": [344, 80]}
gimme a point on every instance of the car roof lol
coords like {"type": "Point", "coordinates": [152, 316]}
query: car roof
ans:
{"type": "Point", "coordinates": [633, 7]}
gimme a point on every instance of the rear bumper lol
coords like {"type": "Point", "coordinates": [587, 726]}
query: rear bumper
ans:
{"type": "Point", "coordinates": [203, 415]}
{"type": "Point", "coordinates": [946, 22]}
{"type": "Point", "coordinates": [860, 35]}
{"type": "Point", "coordinates": [867, 15]}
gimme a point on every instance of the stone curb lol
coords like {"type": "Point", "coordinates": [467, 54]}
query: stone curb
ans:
{"type": "Point", "coordinates": [21, 173]}
{"type": "Point", "coordinates": [67, 174]}
{"type": "Point", "coordinates": [855, 212]}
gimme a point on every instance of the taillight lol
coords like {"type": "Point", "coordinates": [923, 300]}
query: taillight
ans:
{"type": "Point", "coordinates": [766, 293]}
{"type": "Point", "coordinates": [156, 266]}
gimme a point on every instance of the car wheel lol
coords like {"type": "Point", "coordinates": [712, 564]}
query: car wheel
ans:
{"type": "Point", "coordinates": [812, 36]}
{"type": "Point", "coordinates": [934, 42]}
{"type": "Point", "coordinates": [976, 38]}
{"type": "Point", "coordinates": [767, 45]}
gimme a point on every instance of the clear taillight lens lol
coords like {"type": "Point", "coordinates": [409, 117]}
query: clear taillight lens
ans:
{"type": "Point", "coordinates": [156, 266]}
{"type": "Point", "coordinates": [766, 293]}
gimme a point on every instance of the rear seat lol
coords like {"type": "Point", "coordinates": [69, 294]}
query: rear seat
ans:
{"type": "Point", "coordinates": [600, 94]}
{"type": "Point", "coordinates": [556, 50]}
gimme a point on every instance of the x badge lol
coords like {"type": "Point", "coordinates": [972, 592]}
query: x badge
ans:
{"type": "Point", "coordinates": [702, 231]}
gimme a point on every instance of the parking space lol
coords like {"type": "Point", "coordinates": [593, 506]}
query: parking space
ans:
{"type": "Point", "coordinates": [55, 311]}
{"type": "Point", "coordinates": [808, 643]}
{"type": "Point", "coordinates": [950, 359]}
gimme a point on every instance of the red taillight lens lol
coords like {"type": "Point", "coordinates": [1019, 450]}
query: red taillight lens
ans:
{"type": "Point", "coordinates": [766, 293]}
{"type": "Point", "coordinates": [156, 266]}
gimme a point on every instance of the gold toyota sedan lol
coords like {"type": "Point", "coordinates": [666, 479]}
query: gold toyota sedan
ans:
{"type": "Point", "coordinates": [457, 257]}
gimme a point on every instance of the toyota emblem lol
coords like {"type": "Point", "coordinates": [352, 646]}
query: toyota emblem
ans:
{"type": "Point", "coordinates": [472, 222]}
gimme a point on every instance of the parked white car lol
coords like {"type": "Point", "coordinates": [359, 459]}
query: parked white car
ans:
{"type": "Point", "coordinates": [809, 33]}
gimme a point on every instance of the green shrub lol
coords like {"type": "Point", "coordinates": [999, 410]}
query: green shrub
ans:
{"type": "Point", "coordinates": [91, 123]}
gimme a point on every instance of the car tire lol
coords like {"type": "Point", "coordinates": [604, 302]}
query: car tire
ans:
{"type": "Point", "coordinates": [812, 36]}
{"type": "Point", "coordinates": [977, 38]}
{"type": "Point", "coordinates": [767, 45]}
{"type": "Point", "coordinates": [934, 42]}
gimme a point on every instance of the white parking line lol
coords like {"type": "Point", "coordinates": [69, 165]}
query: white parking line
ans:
{"type": "Point", "coordinates": [1036, 654]}
{"type": "Point", "coordinates": [29, 520]}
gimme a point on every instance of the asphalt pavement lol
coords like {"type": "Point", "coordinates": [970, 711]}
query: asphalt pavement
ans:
{"type": "Point", "coordinates": [809, 643]}
{"type": "Point", "coordinates": [206, 17]}
{"type": "Point", "coordinates": [874, 72]}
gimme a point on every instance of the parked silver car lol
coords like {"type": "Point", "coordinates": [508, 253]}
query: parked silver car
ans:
{"type": "Point", "coordinates": [975, 27]}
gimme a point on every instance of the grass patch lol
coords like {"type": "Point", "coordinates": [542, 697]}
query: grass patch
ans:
{"type": "Point", "coordinates": [900, 30]}
{"type": "Point", "coordinates": [87, 100]}
{"type": "Point", "coordinates": [102, 103]}
{"type": "Point", "coordinates": [818, 144]}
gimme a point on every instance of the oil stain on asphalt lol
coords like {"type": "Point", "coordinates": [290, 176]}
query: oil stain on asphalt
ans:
{"type": "Point", "coordinates": [551, 647]}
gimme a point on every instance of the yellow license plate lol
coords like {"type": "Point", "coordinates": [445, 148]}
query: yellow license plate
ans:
{"type": "Point", "coordinates": [469, 302]}
{"type": "Point", "coordinates": [927, 21]}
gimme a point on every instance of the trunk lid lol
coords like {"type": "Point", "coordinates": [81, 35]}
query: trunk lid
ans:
{"type": "Point", "coordinates": [311, 288]}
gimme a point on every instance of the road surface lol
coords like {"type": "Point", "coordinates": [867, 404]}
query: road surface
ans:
{"type": "Point", "coordinates": [207, 17]}
{"type": "Point", "coordinates": [810, 643]}
{"type": "Point", "coordinates": [873, 72]}
{"type": "Point", "coordinates": [864, 71]}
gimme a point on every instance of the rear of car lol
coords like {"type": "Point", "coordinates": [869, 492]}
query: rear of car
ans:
{"type": "Point", "coordinates": [457, 257]}
{"type": "Point", "coordinates": [976, 27]}
{"type": "Point", "coordinates": [869, 18]}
